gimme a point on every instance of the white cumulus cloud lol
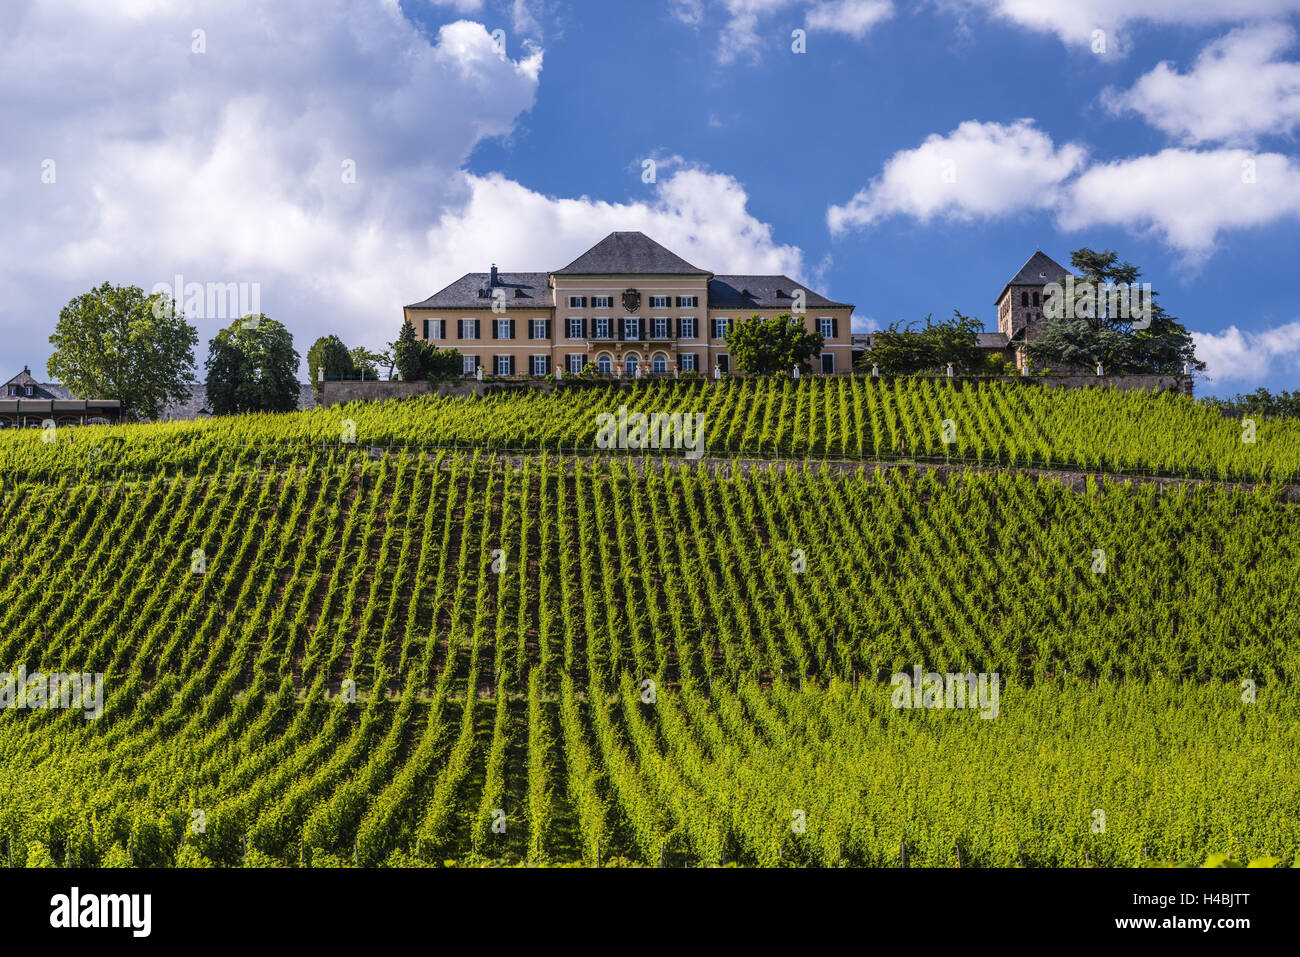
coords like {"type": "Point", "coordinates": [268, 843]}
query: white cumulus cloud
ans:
{"type": "Point", "coordinates": [699, 215]}
{"type": "Point", "coordinates": [1075, 21]}
{"type": "Point", "coordinates": [1188, 198]}
{"type": "Point", "coordinates": [230, 165]}
{"type": "Point", "coordinates": [979, 170]}
{"type": "Point", "coordinates": [1236, 91]}
{"type": "Point", "coordinates": [1236, 356]}
{"type": "Point", "coordinates": [853, 17]}
{"type": "Point", "coordinates": [752, 24]}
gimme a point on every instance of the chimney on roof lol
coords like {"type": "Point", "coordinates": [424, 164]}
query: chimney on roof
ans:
{"type": "Point", "coordinates": [493, 281]}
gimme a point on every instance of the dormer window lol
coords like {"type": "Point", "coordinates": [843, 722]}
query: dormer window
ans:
{"type": "Point", "coordinates": [29, 390]}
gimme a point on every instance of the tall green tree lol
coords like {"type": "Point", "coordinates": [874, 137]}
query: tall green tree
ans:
{"type": "Point", "coordinates": [774, 345]}
{"type": "Point", "coordinates": [1081, 344]}
{"type": "Point", "coordinates": [115, 342]}
{"type": "Point", "coordinates": [390, 350]}
{"type": "Point", "coordinates": [1147, 341]}
{"type": "Point", "coordinates": [909, 351]}
{"type": "Point", "coordinates": [328, 353]}
{"type": "Point", "coordinates": [366, 362]}
{"type": "Point", "coordinates": [408, 356]}
{"type": "Point", "coordinates": [252, 367]}
{"type": "Point", "coordinates": [418, 360]}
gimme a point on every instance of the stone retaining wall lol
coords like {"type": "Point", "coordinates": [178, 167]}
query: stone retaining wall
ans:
{"type": "Point", "coordinates": [354, 390]}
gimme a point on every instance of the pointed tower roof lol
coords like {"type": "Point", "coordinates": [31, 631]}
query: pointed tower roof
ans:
{"type": "Point", "coordinates": [630, 253]}
{"type": "Point", "coordinates": [1039, 270]}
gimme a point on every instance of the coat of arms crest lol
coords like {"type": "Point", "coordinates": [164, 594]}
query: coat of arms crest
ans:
{"type": "Point", "coordinates": [631, 300]}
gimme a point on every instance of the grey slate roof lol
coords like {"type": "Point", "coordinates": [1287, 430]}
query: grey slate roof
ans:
{"type": "Point", "coordinates": [524, 290]}
{"type": "Point", "coordinates": [631, 252]}
{"type": "Point", "coordinates": [625, 253]}
{"type": "Point", "coordinates": [1039, 270]}
{"type": "Point", "coordinates": [40, 390]}
{"type": "Point", "coordinates": [763, 292]}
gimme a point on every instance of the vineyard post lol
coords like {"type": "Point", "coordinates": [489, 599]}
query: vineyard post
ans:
{"type": "Point", "coordinates": [902, 852]}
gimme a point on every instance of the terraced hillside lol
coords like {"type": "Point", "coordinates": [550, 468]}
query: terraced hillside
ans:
{"type": "Point", "coordinates": [431, 657]}
{"type": "Point", "coordinates": [995, 422]}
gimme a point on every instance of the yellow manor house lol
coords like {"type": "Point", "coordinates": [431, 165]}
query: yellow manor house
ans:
{"type": "Point", "coordinates": [628, 305]}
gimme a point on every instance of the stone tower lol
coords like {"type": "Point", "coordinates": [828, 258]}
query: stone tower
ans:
{"type": "Point", "coordinates": [1020, 304]}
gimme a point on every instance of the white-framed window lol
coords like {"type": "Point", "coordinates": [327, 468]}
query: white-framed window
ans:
{"type": "Point", "coordinates": [469, 328]}
{"type": "Point", "coordinates": [662, 328]}
{"type": "Point", "coordinates": [688, 302]}
{"type": "Point", "coordinates": [537, 329]}
{"type": "Point", "coordinates": [602, 329]}
{"type": "Point", "coordinates": [602, 302]}
{"type": "Point", "coordinates": [828, 363]}
{"type": "Point", "coordinates": [686, 362]}
{"type": "Point", "coordinates": [434, 329]}
{"type": "Point", "coordinates": [468, 364]}
{"type": "Point", "coordinates": [719, 328]}
{"type": "Point", "coordinates": [577, 361]}
{"type": "Point", "coordinates": [505, 365]}
{"type": "Point", "coordinates": [603, 364]}
{"type": "Point", "coordinates": [577, 302]}
{"type": "Point", "coordinates": [503, 329]}
{"type": "Point", "coordinates": [826, 326]}
{"type": "Point", "coordinates": [659, 363]}
{"type": "Point", "coordinates": [575, 329]}
{"type": "Point", "coordinates": [688, 328]}
{"type": "Point", "coordinates": [660, 302]}
{"type": "Point", "coordinates": [631, 328]}
{"type": "Point", "coordinates": [541, 365]}
{"type": "Point", "coordinates": [631, 362]}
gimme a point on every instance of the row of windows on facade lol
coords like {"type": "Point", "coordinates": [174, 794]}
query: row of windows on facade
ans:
{"type": "Point", "coordinates": [626, 328]}
{"type": "Point", "coordinates": [27, 390]}
{"type": "Point", "coordinates": [656, 302]}
{"type": "Point", "coordinates": [540, 365]}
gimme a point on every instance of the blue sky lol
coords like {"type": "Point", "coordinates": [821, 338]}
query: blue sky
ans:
{"type": "Point", "coordinates": [909, 161]}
